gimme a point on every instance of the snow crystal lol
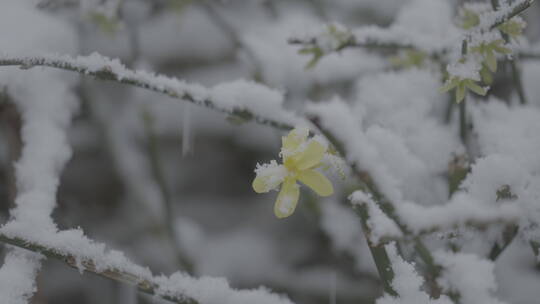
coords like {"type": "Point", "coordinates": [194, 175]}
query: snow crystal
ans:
{"type": "Point", "coordinates": [207, 290]}
{"type": "Point", "coordinates": [407, 283]}
{"type": "Point", "coordinates": [492, 121]}
{"type": "Point", "coordinates": [262, 102]}
{"type": "Point", "coordinates": [505, 8]}
{"type": "Point", "coordinates": [400, 106]}
{"type": "Point", "coordinates": [335, 116]}
{"type": "Point", "coordinates": [478, 38]}
{"type": "Point", "coordinates": [409, 30]}
{"type": "Point", "coordinates": [248, 95]}
{"type": "Point", "coordinates": [272, 174]}
{"type": "Point", "coordinates": [468, 275]}
{"type": "Point", "coordinates": [462, 209]}
{"type": "Point", "coordinates": [491, 173]}
{"type": "Point", "coordinates": [17, 276]}
{"type": "Point", "coordinates": [379, 224]}
{"type": "Point", "coordinates": [465, 70]}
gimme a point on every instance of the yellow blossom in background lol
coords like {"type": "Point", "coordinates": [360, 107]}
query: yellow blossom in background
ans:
{"type": "Point", "coordinates": [410, 58]}
{"type": "Point", "coordinates": [469, 18]}
{"type": "Point", "coordinates": [489, 49]}
{"type": "Point", "coordinates": [301, 156]}
{"type": "Point", "coordinates": [462, 85]}
{"type": "Point", "coordinates": [513, 27]}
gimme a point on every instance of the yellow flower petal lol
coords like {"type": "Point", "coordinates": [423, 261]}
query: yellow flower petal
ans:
{"type": "Point", "coordinates": [260, 184]}
{"type": "Point", "coordinates": [287, 198]}
{"type": "Point", "coordinates": [269, 177]}
{"type": "Point", "coordinates": [311, 156]}
{"type": "Point", "coordinates": [316, 181]}
{"type": "Point", "coordinates": [294, 139]}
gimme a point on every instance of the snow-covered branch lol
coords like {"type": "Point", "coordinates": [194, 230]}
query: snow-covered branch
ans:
{"type": "Point", "coordinates": [463, 210]}
{"type": "Point", "coordinates": [79, 252]}
{"type": "Point", "coordinates": [395, 37]}
{"type": "Point", "coordinates": [89, 265]}
{"type": "Point", "coordinates": [246, 99]}
{"type": "Point", "coordinates": [370, 37]}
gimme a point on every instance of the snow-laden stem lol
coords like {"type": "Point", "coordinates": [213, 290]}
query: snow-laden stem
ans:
{"type": "Point", "coordinates": [378, 252]}
{"type": "Point", "coordinates": [375, 42]}
{"type": "Point", "coordinates": [516, 73]}
{"type": "Point", "coordinates": [171, 87]}
{"type": "Point", "coordinates": [352, 42]}
{"type": "Point", "coordinates": [463, 130]}
{"type": "Point", "coordinates": [142, 284]}
{"type": "Point", "coordinates": [508, 235]}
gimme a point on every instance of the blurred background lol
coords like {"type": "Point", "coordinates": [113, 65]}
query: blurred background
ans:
{"type": "Point", "coordinates": [169, 183]}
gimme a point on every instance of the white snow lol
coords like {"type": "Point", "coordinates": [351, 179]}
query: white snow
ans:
{"type": "Point", "coordinates": [380, 225]}
{"type": "Point", "coordinates": [407, 283]}
{"type": "Point", "coordinates": [253, 97]}
{"type": "Point", "coordinates": [272, 174]}
{"type": "Point", "coordinates": [468, 275]}
{"type": "Point", "coordinates": [17, 284]}
{"type": "Point", "coordinates": [46, 108]}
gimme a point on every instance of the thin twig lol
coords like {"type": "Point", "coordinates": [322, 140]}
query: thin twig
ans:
{"type": "Point", "coordinates": [508, 235]}
{"type": "Point", "coordinates": [378, 252]}
{"type": "Point", "coordinates": [463, 128]}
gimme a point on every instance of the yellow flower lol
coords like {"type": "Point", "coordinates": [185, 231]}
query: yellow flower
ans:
{"type": "Point", "coordinates": [300, 159]}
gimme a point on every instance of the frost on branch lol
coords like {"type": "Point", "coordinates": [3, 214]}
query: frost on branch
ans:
{"type": "Point", "coordinates": [407, 283]}
{"type": "Point", "coordinates": [380, 226]}
{"type": "Point", "coordinates": [86, 255]}
{"type": "Point", "coordinates": [407, 31]}
{"type": "Point", "coordinates": [257, 98]}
